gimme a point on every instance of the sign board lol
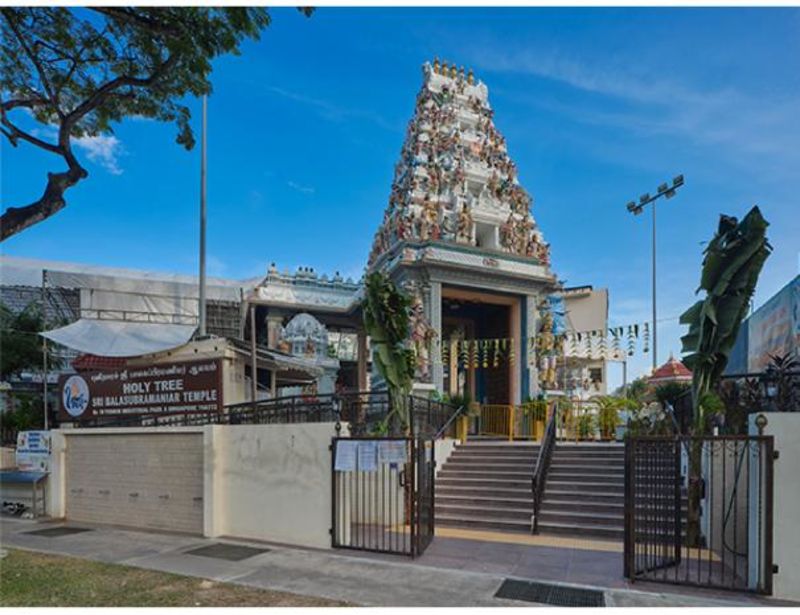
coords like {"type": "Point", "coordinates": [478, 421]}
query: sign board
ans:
{"type": "Point", "coordinates": [346, 451]}
{"type": "Point", "coordinates": [392, 452]}
{"type": "Point", "coordinates": [774, 329]}
{"type": "Point", "coordinates": [194, 386]}
{"type": "Point", "coordinates": [33, 451]}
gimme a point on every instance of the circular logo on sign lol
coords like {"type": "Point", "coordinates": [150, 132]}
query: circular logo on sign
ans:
{"type": "Point", "coordinates": [75, 395]}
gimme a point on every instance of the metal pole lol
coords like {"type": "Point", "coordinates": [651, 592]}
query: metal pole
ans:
{"type": "Point", "coordinates": [624, 378]}
{"type": "Point", "coordinates": [253, 358]}
{"type": "Point", "coordinates": [202, 298]}
{"type": "Point", "coordinates": [44, 350]}
{"type": "Point", "coordinates": [655, 322]}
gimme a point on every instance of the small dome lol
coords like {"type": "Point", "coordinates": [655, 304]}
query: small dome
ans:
{"type": "Point", "coordinates": [306, 335]}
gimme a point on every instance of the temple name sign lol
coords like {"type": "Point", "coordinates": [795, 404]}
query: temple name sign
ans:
{"type": "Point", "coordinates": [194, 386]}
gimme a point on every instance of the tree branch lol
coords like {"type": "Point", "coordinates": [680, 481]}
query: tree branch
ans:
{"type": "Point", "coordinates": [8, 14]}
{"type": "Point", "coordinates": [17, 219]}
{"type": "Point", "coordinates": [13, 133]}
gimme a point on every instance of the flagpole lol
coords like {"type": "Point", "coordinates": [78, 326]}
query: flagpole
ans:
{"type": "Point", "coordinates": [202, 298]}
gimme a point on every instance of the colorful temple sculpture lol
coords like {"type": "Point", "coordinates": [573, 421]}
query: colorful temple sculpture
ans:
{"type": "Point", "coordinates": [458, 234]}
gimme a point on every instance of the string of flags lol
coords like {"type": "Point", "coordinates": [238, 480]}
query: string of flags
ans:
{"type": "Point", "coordinates": [608, 343]}
{"type": "Point", "coordinates": [612, 343]}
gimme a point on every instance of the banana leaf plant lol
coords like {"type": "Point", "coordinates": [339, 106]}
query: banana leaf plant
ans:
{"type": "Point", "coordinates": [387, 321]}
{"type": "Point", "coordinates": [731, 266]}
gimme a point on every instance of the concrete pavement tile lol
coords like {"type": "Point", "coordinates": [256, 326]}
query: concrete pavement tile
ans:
{"type": "Point", "coordinates": [193, 566]}
{"type": "Point", "coordinates": [373, 583]}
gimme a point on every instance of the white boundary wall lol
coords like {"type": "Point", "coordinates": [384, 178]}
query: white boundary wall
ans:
{"type": "Point", "coordinates": [785, 427]}
{"type": "Point", "coordinates": [272, 482]}
{"type": "Point", "coordinates": [265, 482]}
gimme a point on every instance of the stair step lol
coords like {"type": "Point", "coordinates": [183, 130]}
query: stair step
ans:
{"type": "Point", "coordinates": [579, 496]}
{"type": "Point", "coordinates": [484, 512]}
{"type": "Point", "coordinates": [512, 525]}
{"type": "Point", "coordinates": [593, 461]}
{"type": "Point", "coordinates": [511, 502]}
{"type": "Point", "coordinates": [523, 454]}
{"type": "Point", "coordinates": [597, 479]}
{"type": "Point", "coordinates": [612, 508]}
{"type": "Point", "coordinates": [464, 481]}
{"type": "Point", "coordinates": [557, 466]}
{"type": "Point", "coordinates": [563, 485]}
{"type": "Point", "coordinates": [446, 472]}
{"type": "Point", "coordinates": [471, 492]}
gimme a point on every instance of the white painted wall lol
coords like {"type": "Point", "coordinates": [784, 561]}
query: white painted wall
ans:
{"type": "Point", "coordinates": [272, 482]}
{"type": "Point", "coordinates": [785, 427]}
{"type": "Point", "coordinates": [442, 449]}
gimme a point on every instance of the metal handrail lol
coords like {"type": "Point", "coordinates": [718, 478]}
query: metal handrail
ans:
{"type": "Point", "coordinates": [449, 422]}
{"type": "Point", "coordinates": [539, 476]}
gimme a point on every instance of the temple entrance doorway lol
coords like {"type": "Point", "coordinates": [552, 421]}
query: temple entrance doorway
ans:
{"type": "Point", "coordinates": [480, 338]}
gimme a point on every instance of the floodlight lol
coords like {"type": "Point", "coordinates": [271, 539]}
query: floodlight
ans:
{"type": "Point", "coordinates": [631, 206]}
{"type": "Point", "coordinates": [644, 198]}
{"type": "Point", "coordinates": [670, 193]}
{"type": "Point", "coordinates": [662, 188]}
{"type": "Point", "coordinates": [677, 181]}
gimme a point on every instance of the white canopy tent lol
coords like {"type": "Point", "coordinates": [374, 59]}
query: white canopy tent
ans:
{"type": "Point", "coordinates": [114, 338]}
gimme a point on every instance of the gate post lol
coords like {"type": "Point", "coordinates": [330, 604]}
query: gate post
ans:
{"type": "Point", "coordinates": [628, 550]}
{"type": "Point", "coordinates": [769, 453]}
{"type": "Point", "coordinates": [678, 506]}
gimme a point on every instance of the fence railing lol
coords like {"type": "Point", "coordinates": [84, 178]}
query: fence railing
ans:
{"type": "Point", "coordinates": [364, 411]}
{"type": "Point", "coordinates": [698, 511]}
{"type": "Point", "coordinates": [539, 478]}
{"type": "Point", "coordinates": [497, 420]}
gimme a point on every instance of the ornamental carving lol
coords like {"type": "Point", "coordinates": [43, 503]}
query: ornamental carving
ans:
{"type": "Point", "coordinates": [454, 162]}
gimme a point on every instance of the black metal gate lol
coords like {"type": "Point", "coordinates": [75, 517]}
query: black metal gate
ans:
{"type": "Point", "coordinates": [698, 511]}
{"type": "Point", "coordinates": [383, 494]}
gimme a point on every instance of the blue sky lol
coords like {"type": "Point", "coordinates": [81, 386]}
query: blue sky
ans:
{"type": "Point", "coordinates": [597, 106]}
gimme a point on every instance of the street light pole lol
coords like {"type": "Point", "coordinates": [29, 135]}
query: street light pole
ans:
{"type": "Point", "coordinates": [202, 277]}
{"type": "Point", "coordinates": [636, 208]}
{"type": "Point", "coordinates": [655, 322]}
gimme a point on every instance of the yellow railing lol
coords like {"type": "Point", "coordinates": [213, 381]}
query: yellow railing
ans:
{"type": "Point", "coordinates": [531, 419]}
{"type": "Point", "coordinates": [523, 422]}
{"type": "Point", "coordinates": [497, 420]}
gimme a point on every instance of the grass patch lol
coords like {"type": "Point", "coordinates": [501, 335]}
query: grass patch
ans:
{"type": "Point", "coordinates": [37, 579]}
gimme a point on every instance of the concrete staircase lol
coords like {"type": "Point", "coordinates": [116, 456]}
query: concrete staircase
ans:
{"type": "Point", "coordinates": [487, 485]}
{"type": "Point", "coordinates": [585, 491]}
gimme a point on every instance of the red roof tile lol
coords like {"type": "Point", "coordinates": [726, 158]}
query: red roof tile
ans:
{"type": "Point", "coordinates": [672, 371]}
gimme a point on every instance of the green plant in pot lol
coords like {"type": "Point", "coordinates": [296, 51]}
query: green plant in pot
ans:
{"type": "Point", "coordinates": [586, 426]}
{"type": "Point", "coordinates": [608, 410]}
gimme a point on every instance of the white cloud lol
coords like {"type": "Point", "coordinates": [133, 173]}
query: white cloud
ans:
{"type": "Point", "coordinates": [103, 150]}
{"type": "Point", "coordinates": [723, 117]}
{"type": "Point", "coordinates": [300, 188]}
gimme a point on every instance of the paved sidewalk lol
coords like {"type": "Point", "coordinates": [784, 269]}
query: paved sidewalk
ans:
{"type": "Point", "coordinates": [369, 581]}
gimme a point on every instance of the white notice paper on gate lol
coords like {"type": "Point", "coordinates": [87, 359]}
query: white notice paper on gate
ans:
{"type": "Point", "coordinates": [367, 456]}
{"type": "Point", "coordinates": [392, 451]}
{"type": "Point", "coordinates": [346, 451]}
